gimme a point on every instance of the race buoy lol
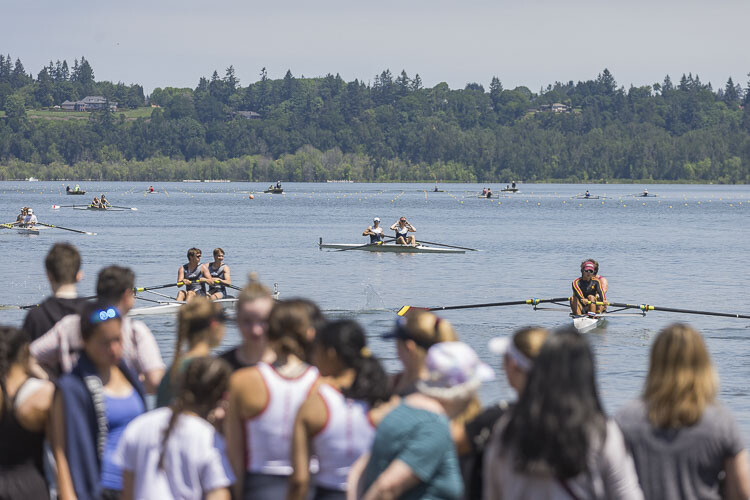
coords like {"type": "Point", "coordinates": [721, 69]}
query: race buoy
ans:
{"type": "Point", "coordinates": [251, 197]}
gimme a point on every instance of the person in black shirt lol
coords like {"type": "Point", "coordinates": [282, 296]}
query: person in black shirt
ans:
{"type": "Point", "coordinates": [63, 265]}
{"type": "Point", "coordinates": [253, 308]}
{"type": "Point", "coordinates": [587, 290]}
{"type": "Point", "coordinates": [518, 354]}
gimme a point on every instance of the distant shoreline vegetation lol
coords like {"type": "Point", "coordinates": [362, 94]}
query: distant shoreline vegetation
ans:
{"type": "Point", "coordinates": [63, 124]}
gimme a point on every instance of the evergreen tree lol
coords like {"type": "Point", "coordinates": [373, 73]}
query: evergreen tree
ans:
{"type": "Point", "coordinates": [416, 83]}
{"type": "Point", "coordinates": [731, 97]}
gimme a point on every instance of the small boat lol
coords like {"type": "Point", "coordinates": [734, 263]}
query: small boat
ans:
{"type": "Point", "coordinates": [586, 323]}
{"type": "Point", "coordinates": [75, 192]}
{"type": "Point", "coordinates": [387, 247]}
{"type": "Point", "coordinates": [509, 190]}
{"type": "Point", "coordinates": [32, 179]}
{"type": "Point", "coordinates": [487, 195]}
{"type": "Point", "coordinates": [173, 306]}
{"type": "Point", "coordinates": [584, 197]}
{"type": "Point", "coordinates": [26, 230]}
{"type": "Point", "coordinates": [91, 207]}
{"type": "Point", "coordinates": [274, 190]}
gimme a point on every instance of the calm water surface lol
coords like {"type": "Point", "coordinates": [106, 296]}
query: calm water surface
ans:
{"type": "Point", "coordinates": [686, 248]}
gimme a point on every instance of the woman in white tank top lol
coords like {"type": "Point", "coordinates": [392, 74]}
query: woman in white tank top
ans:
{"type": "Point", "coordinates": [263, 403]}
{"type": "Point", "coordinates": [335, 418]}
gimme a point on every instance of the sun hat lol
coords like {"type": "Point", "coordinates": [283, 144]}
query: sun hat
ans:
{"type": "Point", "coordinates": [453, 370]}
{"type": "Point", "coordinates": [505, 346]}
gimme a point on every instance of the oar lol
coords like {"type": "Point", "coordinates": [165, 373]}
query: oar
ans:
{"type": "Point", "coordinates": [124, 208]}
{"type": "Point", "coordinates": [444, 245]}
{"type": "Point", "coordinates": [9, 225]}
{"type": "Point", "coordinates": [66, 229]}
{"type": "Point", "coordinates": [157, 287]}
{"type": "Point", "coordinates": [377, 243]}
{"type": "Point", "coordinates": [646, 307]}
{"type": "Point", "coordinates": [32, 306]}
{"type": "Point", "coordinates": [55, 207]}
{"type": "Point", "coordinates": [533, 302]}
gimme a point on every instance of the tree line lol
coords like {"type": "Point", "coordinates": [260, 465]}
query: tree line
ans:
{"type": "Point", "coordinates": [394, 128]}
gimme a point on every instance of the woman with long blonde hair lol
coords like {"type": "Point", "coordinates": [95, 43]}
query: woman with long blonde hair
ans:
{"type": "Point", "coordinates": [682, 440]}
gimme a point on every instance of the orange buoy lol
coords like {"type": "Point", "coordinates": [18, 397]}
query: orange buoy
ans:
{"type": "Point", "coordinates": [251, 197]}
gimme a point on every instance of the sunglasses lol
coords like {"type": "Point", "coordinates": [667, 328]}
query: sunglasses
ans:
{"type": "Point", "coordinates": [590, 271]}
{"type": "Point", "coordinates": [102, 315]}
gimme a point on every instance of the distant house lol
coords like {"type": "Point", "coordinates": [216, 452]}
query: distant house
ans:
{"type": "Point", "coordinates": [89, 103]}
{"type": "Point", "coordinates": [248, 115]}
{"type": "Point", "coordinates": [554, 108]}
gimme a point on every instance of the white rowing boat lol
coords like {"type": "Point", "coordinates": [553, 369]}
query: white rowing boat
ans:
{"type": "Point", "coordinates": [585, 323]}
{"type": "Point", "coordinates": [172, 307]}
{"type": "Point", "coordinates": [387, 247]}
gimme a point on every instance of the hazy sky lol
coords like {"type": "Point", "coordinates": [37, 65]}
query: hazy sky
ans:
{"type": "Point", "coordinates": [162, 43]}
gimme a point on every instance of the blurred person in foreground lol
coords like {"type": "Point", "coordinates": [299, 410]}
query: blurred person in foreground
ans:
{"type": "Point", "coordinates": [335, 423]}
{"type": "Point", "coordinates": [58, 349]}
{"type": "Point", "coordinates": [25, 404]}
{"type": "Point", "coordinates": [93, 404]}
{"type": "Point", "coordinates": [264, 400]}
{"type": "Point", "coordinates": [518, 354]}
{"type": "Point", "coordinates": [175, 452]}
{"type": "Point", "coordinates": [685, 444]}
{"type": "Point", "coordinates": [63, 267]}
{"type": "Point", "coordinates": [413, 455]}
{"type": "Point", "coordinates": [556, 442]}
{"type": "Point", "coordinates": [254, 305]}
{"type": "Point", "coordinates": [200, 325]}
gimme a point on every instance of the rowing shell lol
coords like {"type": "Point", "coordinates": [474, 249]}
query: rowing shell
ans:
{"type": "Point", "coordinates": [388, 247]}
{"type": "Point", "coordinates": [587, 323]}
{"type": "Point", "coordinates": [25, 230]}
{"type": "Point", "coordinates": [172, 307]}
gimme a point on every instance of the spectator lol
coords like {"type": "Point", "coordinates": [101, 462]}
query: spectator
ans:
{"type": "Point", "coordinates": [415, 334]}
{"type": "Point", "coordinates": [263, 403]}
{"type": "Point", "coordinates": [556, 442]}
{"type": "Point", "coordinates": [334, 422]}
{"type": "Point", "coordinates": [253, 307]}
{"type": "Point", "coordinates": [683, 441]}
{"type": "Point", "coordinates": [175, 452]}
{"type": "Point", "coordinates": [58, 349]}
{"type": "Point", "coordinates": [24, 413]}
{"type": "Point", "coordinates": [413, 455]}
{"type": "Point", "coordinates": [200, 325]}
{"type": "Point", "coordinates": [518, 353]}
{"type": "Point", "coordinates": [92, 406]}
{"type": "Point", "coordinates": [63, 265]}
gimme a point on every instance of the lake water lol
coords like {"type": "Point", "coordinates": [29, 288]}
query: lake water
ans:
{"type": "Point", "coordinates": [685, 248]}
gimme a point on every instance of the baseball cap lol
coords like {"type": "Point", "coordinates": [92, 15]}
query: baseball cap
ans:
{"type": "Point", "coordinates": [376, 219]}
{"type": "Point", "coordinates": [453, 370]}
{"type": "Point", "coordinates": [589, 265]}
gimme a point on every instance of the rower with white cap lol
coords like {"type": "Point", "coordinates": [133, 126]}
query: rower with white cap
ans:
{"type": "Point", "coordinates": [375, 232]}
{"type": "Point", "coordinates": [30, 219]}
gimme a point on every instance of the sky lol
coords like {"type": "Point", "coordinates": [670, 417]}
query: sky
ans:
{"type": "Point", "coordinates": [160, 43]}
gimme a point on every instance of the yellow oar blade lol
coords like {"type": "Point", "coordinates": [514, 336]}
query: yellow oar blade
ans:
{"type": "Point", "coordinates": [403, 310]}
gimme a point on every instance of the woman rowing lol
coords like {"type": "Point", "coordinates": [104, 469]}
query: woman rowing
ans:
{"type": "Point", "coordinates": [588, 290]}
{"type": "Point", "coordinates": [95, 203]}
{"type": "Point", "coordinates": [375, 232]}
{"type": "Point", "coordinates": [190, 275]}
{"type": "Point", "coordinates": [217, 274]}
{"type": "Point", "coordinates": [403, 228]}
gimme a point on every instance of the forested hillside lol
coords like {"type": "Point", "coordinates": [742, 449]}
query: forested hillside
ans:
{"type": "Point", "coordinates": [313, 129]}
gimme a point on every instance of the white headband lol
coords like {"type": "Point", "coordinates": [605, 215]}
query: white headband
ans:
{"type": "Point", "coordinates": [518, 357]}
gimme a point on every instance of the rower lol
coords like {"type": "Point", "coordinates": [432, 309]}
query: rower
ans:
{"type": "Point", "coordinates": [77, 188]}
{"type": "Point", "coordinates": [22, 216]}
{"type": "Point", "coordinates": [95, 203]}
{"type": "Point", "coordinates": [513, 184]}
{"type": "Point", "coordinates": [489, 193]}
{"type": "Point", "coordinates": [587, 195]}
{"type": "Point", "coordinates": [402, 228]}
{"type": "Point", "coordinates": [645, 192]}
{"type": "Point", "coordinates": [151, 189]}
{"type": "Point", "coordinates": [67, 188]}
{"type": "Point", "coordinates": [587, 291]}
{"type": "Point", "coordinates": [217, 271]}
{"type": "Point", "coordinates": [278, 184]}
{"type": "Point", "coordinates": [29, 219]}
{"type": "Point", "coordinates": [104, 202]}
{"type": "Point", "coordinates": [375, 232]}
{"type": "Point", "coordinates": [190, 275]}
{"type": "Point", "coordinates": [484, 192]}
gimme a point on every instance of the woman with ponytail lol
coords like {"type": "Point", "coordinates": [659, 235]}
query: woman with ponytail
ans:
{"type": "Point", "coordinates": [334, 422]}
{"type": "Point", "coordinates": [175, 452]}
{"type": "Point", "coordinates": [264, 399]}
{"type": "Point", "coordinates": [24, 412]}
{"type": "Point", "coordinates": [200, 325]}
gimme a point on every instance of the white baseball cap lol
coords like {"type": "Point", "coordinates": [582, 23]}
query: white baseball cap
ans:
{"type": "Point", "coordinates": [376, 219]}
{"type": "Point", "coordinates": [453, 370]}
